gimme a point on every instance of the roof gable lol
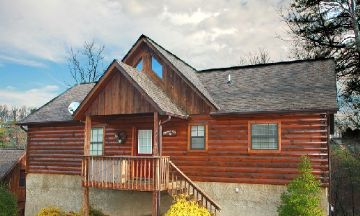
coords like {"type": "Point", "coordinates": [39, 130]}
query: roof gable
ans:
{"type": "Point", "coordinates": [186, 72]}
{"type": "Point", "coordinates": [123, 90]}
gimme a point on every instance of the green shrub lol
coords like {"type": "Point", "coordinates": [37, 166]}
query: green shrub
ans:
{"type": "Point", "coordinates": [182, 207]}
{"type": "Point", "coordinates": [302, 195]}
{"type": "Point", "coordinates": [8, 203]}
{"type": "Point", "coordinates": [96, 212]}
{"type": "Point", "coordinates": [73, 214]}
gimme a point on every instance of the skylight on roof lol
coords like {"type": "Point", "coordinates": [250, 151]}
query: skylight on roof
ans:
{"type": "Point", "coordinates": [139, 65]}
{"type": "Point", "coordinates": [156, 67]}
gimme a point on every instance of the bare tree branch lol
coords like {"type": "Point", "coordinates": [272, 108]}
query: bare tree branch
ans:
{"type": "Point", "coordinates": [85, 64]}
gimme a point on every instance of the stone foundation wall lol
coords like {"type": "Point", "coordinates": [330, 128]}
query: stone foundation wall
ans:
{"type": "Point", "coordinates": [65, 191]}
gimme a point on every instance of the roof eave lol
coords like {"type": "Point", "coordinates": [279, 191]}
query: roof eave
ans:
{"type": "Point", "coordinates": [223, 113]}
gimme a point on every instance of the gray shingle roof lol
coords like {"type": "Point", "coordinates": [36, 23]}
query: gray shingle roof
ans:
{"type": "Point", "coordinates": [159, 97]}
{"type": "Point", "coordinates": [8, 160]}
{"type": "Point", "coordinates": [185, 69]}
{"type": "Point", "coordinates": [56, 110]}
{"type": "Point", "coordinates": [286, 86]}
{"type": "Point", "coordinates": [306, 85]}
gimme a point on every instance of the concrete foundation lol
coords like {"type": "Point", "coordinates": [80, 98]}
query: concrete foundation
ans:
{"type": "Point", "coordinates": [65, 191]}
{"type": "Point", "coordinates": [249, 199]}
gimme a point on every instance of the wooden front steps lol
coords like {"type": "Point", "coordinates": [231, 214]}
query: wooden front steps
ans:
{"type": "Point", "coordinates": [146, 173]}
{"type": "Point", "coordinates": [181, 184]}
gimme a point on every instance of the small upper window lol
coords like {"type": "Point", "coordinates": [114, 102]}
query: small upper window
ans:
{"type": "Point", "coordinates": [96, 141]}
{"type": "Point", "coordinates": [264, 136]}
{"type": "Point", "coordinates": [197, 137]}
{"type": "Point", "coordinates": [139, 65]}
{"type": "Point", "coordinates": [156, 67]}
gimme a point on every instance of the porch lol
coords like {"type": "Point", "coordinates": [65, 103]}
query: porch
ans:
{"type": "Point", "coordinates": [137, 173]}
{"type": "Point", "coordinates": [142, 173]}
{"type": "Point", "coordinates": [144, 168]}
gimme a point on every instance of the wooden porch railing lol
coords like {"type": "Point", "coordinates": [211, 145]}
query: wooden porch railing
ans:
{"type": "Point", "coordinates": [181, 184]}
{"type": "Point", "coordinates": [139, 173]}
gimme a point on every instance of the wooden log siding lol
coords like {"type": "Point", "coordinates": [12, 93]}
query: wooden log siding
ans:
{"type": "Point", "coordinates": [60, 149]}
{"type": "Point", "coordinates": [119, 97]}
{"type": "Point", "coordinates": [228, 159]}
{"type": "Point", "coordinates": [55, 149]}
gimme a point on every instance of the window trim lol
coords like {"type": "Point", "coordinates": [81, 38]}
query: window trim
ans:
{"type": "Point", "coordinates": [206, 137]}
{"type": "Point", "coordinates": [250, 123]}
{"type": "Point", "coordinates": [103, 144]}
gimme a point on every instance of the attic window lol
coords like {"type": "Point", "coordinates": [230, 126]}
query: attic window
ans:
{"type": "Point", "coordinates": [156, 67]}
{"type": "Point", "coordinates": [139, 65]}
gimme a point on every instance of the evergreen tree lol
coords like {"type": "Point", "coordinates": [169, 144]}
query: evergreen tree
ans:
{"type": "Point", "coordinates": [330, 29]}
{"type": "Point", "coordinates": [302, 195]}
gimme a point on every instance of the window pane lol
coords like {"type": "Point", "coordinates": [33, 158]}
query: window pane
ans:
{"type": "Point", "coordinates": [156, 67]}
{"type": "Point", "coordinates": [264, 136]}
{"type": "Point", "coordinates": [139, 66]}
{"type": "Point", "coordinates": [201, 130]}
{"type": "Point", "coordinates": [100, 135]}
{"type": "Point", "coordinates": [197, 143]}
{"type": "Point", "coordinates": [145, 141]}
{"type": "Point", "coordinates": [194, 131]}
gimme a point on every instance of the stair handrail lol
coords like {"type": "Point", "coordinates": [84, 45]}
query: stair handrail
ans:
{"type": "Point", "coordinates": [199, 190]}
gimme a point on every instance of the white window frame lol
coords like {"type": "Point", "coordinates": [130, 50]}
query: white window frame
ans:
{"type": "Point", "coordinates": [144, 135]}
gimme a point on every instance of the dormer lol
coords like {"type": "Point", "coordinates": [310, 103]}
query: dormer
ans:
{"type": "Point", "coordinates": [177, 79]}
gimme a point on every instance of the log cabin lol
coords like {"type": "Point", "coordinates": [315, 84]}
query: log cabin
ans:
{"type": "Point", "coordinates": [12, 174]}
{"type": "Point", "coordinates": [153, 127]}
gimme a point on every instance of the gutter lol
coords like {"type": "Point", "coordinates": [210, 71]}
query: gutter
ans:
{"type": "Point", "coordinates": [224, 113]}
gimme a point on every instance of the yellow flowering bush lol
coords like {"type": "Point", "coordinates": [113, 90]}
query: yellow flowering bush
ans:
{"type": "Point", "coordinates": [182, 206]}
{"type": "Point", "coordinates": [51, 211]}
{"type": "Point", "coordinates": [54, 211]}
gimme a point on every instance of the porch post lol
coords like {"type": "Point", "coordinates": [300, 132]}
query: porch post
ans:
{"type": "Point", "coordinates": [156, 134]}
{"type": "Point", "coordinates": [156, 192]}
{"type": "Point", "coordinates": [87, 136]}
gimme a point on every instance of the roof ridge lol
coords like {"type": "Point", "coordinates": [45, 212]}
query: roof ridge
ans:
{"type": "Point", "coordinates": [263, 64]}
{"type": "Point", "coordinates": [144, 36]}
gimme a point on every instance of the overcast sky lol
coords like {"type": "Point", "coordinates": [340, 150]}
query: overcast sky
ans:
{"type": "Point", "coordinates": [34, 36]}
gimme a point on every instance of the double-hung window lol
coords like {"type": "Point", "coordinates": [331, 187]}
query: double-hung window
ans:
{"type": "Point", "coordinates": [197, 137]}
{"type": "Point", "coordinates": [96, 141]}
{"type": "Point", "coordinates": [264, 136]}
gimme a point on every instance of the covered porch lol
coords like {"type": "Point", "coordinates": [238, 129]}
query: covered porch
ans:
{"type": "Point", "coordinates": [124, 115]}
